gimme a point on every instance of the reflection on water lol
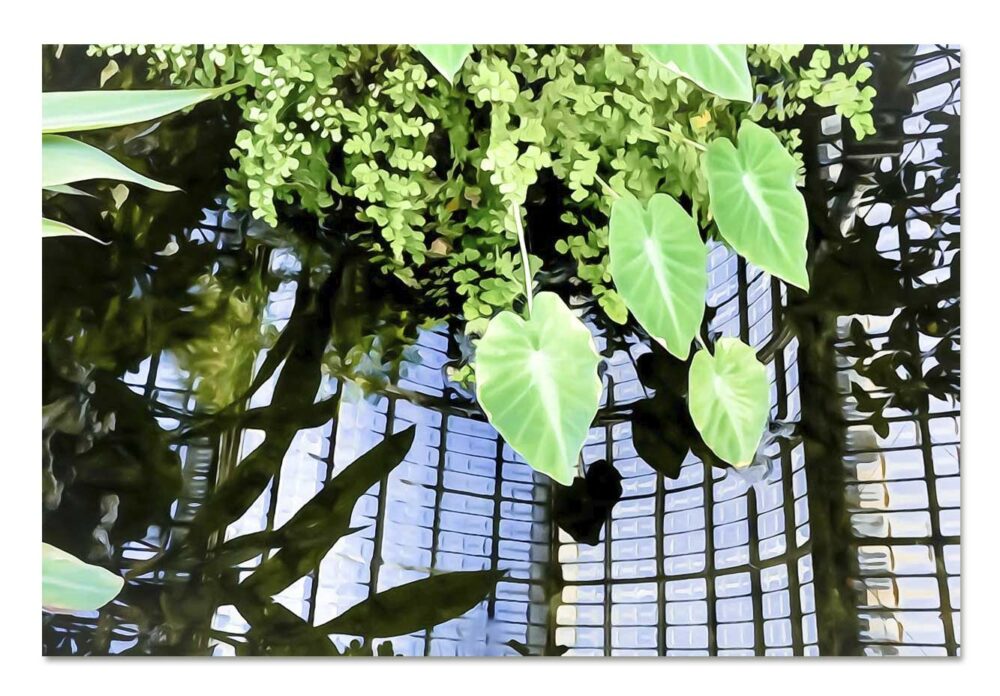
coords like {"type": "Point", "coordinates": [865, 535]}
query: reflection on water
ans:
{"type": "Point", "coordinates": [150, 470]}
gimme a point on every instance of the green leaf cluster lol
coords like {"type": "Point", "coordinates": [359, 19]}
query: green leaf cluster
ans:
{"type": "Point", "coordinates": [419, 163]}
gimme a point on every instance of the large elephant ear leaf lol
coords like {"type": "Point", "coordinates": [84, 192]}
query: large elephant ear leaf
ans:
{"type": "Point", "coordinates": [537, 382]}
{"type": "Point", "coordinates": [447, 58]}
{"type": "Point", "coordinates": [717, 68]}
{"type": "Point", "coordinates": [66, 161]}
{"type": "Point", "coordinates": [69, 584]}
{"type": "Point", "coordinates": [64, 112]}
{"type": "Point", "coordinates": [729, 400]}
{"type": "Point", "coordinates": [756, 204]}
{"type": "Point", "coordinates": [658, 265]}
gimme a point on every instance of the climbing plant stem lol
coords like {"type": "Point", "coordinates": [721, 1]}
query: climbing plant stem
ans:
{"type": "Point", "coordinates": [516, 212]}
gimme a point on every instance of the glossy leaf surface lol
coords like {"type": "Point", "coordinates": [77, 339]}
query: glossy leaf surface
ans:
{"type": "Point", "coordinates": [447, 58]}
{"type": "Point", "coordinates": [537, 382]}
{"type": "Point", "coordinates": [717, 68]}
{"type": "Point", "coordinates": [69, 584]}
{"type": "Point", "coordinates": [729, 399]}
{"type": "Point", "coordinates": [64, 112]}
{"type": "Point", "coordinates": [756, 204]}
{"type": "Point", "coordinates": [657, 260]}
{"type": "Point", "coordinates": [54, 228]}
{"type": "Point", "coordinates": [66, 161]}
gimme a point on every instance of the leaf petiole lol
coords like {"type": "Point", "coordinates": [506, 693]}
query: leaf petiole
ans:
{"type": "Point", "coordinates": [516, 212]}
{"type": "Point", "coordinates": [607, 187]}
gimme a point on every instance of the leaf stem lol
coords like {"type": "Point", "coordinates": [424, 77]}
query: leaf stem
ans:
{"type": "Point", "coordinates": [607, 187]}
{"type": "Point", "coordinates": [526, 266]}
{"type": "Point", "coordinates": [697, 337]}
{"type": "Point", "coordinates": [669, 134]}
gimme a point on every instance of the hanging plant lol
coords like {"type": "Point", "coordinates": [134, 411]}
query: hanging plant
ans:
{"type": "Point", "coordinates": [434, 144]}
{"type": "Point", "coordinates": [536, 378]}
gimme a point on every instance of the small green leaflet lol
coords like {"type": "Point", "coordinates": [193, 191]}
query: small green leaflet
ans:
{"type": "Point", "coordinates": [66, 161]}
{"type": "Point", "coordinates": [658, 265]}
{"type": "Point", "coordinates": [447, 58]}
{"type": "Point", "coordinates": [69, 584]}
{"type": "Point", "coordinates": [537, 382]}
{"type": "Point", "coordinates": [729, 400]}
{"type": "Point", "coordinates": [755, 203]}
{"type": "Point", "coordinates": [717, 68]}
{"type": "Point", "coordinates": [54, 228]}
{"type": "Point", "coordinates": [64, 112]}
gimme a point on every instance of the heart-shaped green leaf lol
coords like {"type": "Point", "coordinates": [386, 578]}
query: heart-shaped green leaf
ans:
{"type": "Point", "coordinates": [717, 68]}
{"type": "Point", "coordinates": [537, 383]}
{"type": "Point", "coordinates": [54, 228]}
{"type": "Point", "coordinates": [756, 204]}
{"type": "Point", "coordinates": [66, 161]}
{"type": "Point", "coordinates": [658, 265]}
{"type": "Point", "coordinates": [447, 58]}
{"type": "Point", "coordinates": [729, 400]}
{"type": "Point", "coordinates": [80, 111]}
{"type": "Point", "coordinates": [69, 584]}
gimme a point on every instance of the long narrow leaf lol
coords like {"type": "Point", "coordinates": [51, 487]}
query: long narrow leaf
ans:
{"type": "Point", "coordinates": [69, 584]}
{"type": "Point", "coordinates": [66, 161]}
{"type": "Point", "coordinates": [415, 605]}
{"type": "Point", "coordinates": [310, 534]}
{"type": "Point", "coordinates": [64, 112]}
{"type": "Point", "coordinates": [54, 228]}
{"type": "Point", "coordinates": [277, 631]}
{"type": "Point", "coordinates": [69, 191]}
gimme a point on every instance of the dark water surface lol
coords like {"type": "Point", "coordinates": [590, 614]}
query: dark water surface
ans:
{"type": "Point", "coordinates": [213, 391]}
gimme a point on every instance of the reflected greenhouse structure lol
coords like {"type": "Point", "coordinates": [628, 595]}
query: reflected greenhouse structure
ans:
{"type": "Point", "coordinates": [259, 429]}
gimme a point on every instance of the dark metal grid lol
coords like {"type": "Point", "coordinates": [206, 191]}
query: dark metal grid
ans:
{"type": "Point", "coordinates": [461, 500]}
{"type": "Point", "coordinates": [672, 574]}
{"type": "Point", "coordinates": [767, 589]}
{"type": "Point", "coordinates": [903, 490]}
{"type": "Point", "coordinates": [160, 380]}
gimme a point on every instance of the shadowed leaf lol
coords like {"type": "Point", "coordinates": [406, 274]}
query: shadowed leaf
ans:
{"type": "Point", "coordinates": [66, 161]}
{"type": "Point", "coordinates": [582, 508]}
{"type": "Point", "coordinates": [309, 535]}
{"type": "Point", "coordinates": [416, 605]}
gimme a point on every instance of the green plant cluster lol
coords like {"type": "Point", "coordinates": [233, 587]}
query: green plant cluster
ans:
{"type": "Point", "coordinates": [377, 145]}
{"type": "Point", "coordinates": [220, 361]}
{"type": "Point", "coordinates": [846, 90]}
